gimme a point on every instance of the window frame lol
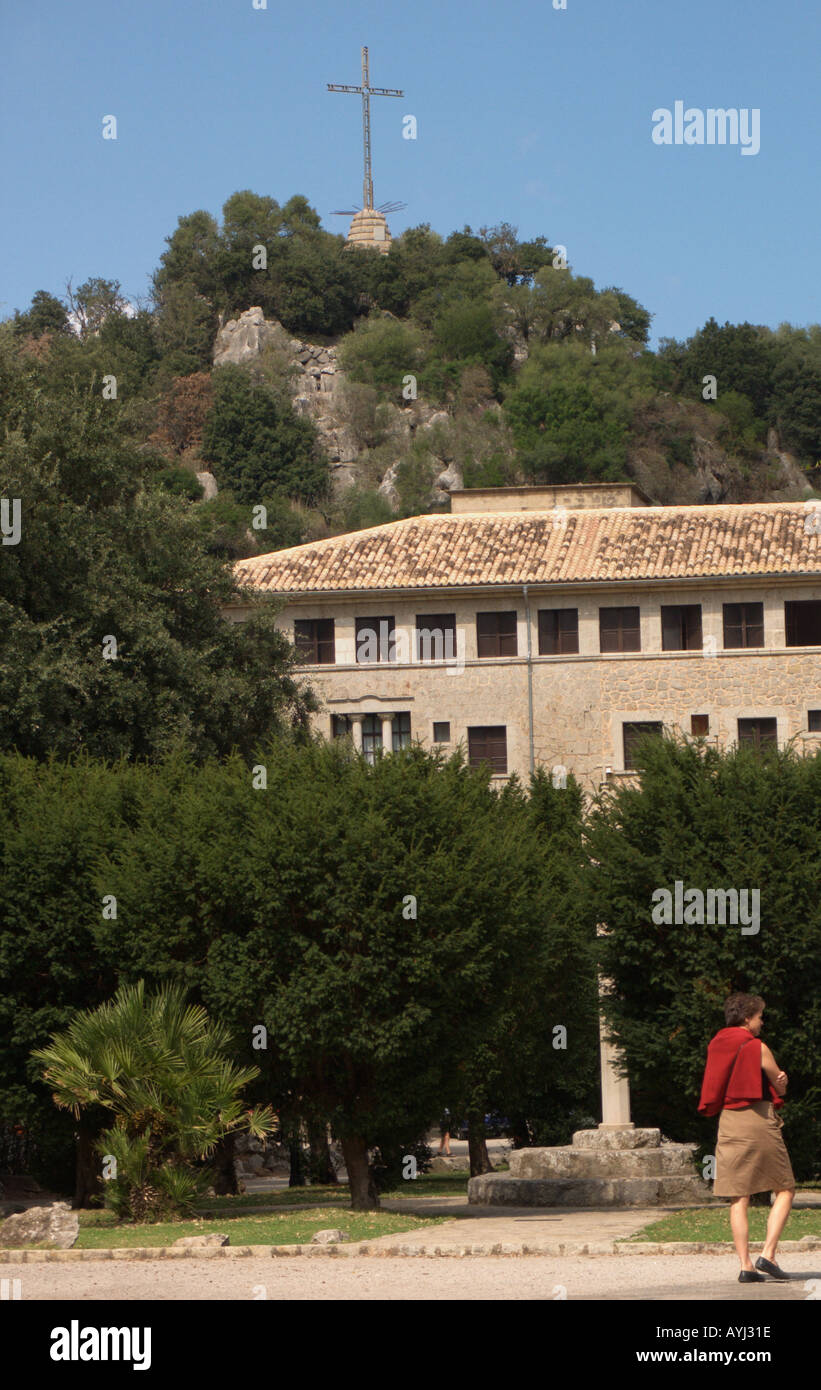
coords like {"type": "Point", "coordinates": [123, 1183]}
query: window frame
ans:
{"type": "Point", "coordinates": [553, 634]}
{"type": "Point", "coordinates": [303, 641]}
{"type": "Point", "coordinates": [744, 626]}
{"type": "Point", "coordinates": [791, 620]}
{"type": "Point", "coordinates": [684, 620]}
{"type": "Point", "coordinates": [483, 732]}
{"type": "Point", "coordinates": [621, 629]}
{"type": "Point", "coordinates": [496, 638]}
{"type": "Point", "coordinates": [745, 740]}
{"type": "Point", "coordinates": [372, 624]}
{"type": "Point", "coordinates": [448, 624]}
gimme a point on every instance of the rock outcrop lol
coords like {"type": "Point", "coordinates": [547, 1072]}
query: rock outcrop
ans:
{"type": "Point", "coordinates": [55, 1225]}
{"type": "Point", "coordinates": [319, 391]}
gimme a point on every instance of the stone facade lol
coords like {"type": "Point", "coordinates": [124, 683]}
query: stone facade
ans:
{"type": "Point", "coordinates": [580, 702]}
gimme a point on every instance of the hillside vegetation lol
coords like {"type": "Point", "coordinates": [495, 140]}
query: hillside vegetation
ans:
{"type": "Point", "coordinates": [518, 370]}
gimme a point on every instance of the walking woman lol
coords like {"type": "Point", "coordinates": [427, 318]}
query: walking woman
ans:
{"type": "Point", "coordinates": [742, 1082]}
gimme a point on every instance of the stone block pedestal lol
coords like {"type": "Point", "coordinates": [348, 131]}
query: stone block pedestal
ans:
{"type": "Point", "coordinates": [610, 1167]}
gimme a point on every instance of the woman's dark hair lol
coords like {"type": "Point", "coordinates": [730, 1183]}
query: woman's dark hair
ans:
{"type": "Point", "coordinates": [739, 1007]}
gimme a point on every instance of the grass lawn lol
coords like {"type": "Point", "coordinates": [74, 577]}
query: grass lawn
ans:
{"type": "Point", "coordinates": [99, 1230]}
{"type": "Point", "coordinates": [427, 1185]}
{"type": "Point", "coordinates": [713, 1223]}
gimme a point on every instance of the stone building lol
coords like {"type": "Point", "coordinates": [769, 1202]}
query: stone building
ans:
{"type": "Point", "coordinates": [552, 626]}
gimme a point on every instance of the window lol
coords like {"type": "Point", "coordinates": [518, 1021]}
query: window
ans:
{"type": "Point", "coordinates": [558, 631]}
{"type": "Point", "coordinates": [435, 637]}
{"type": "Point", "coordinates": [699, 725]}
{"type": "Point", "coordinates": [441, 733]}
{"type": "Point", "coordinates": [633, 734]}
{"type": "Point", "coordinates": [758, 733]}
{"type": "Point", "coordinates": [314, 640]}
{"type": "Point", "coordinates": [401, 732]}
{"type": "Point", "coordinates": [371, 736]}
{"type": "Point", "coordinates": [375, 640]}
{"type": "Point", "coordinates": [681, 627]}
{"type": "Point", "coordinates": [814, 721]}
{"type": "Point", "coordinates": [803, 623]}
{"type": "Point", "coordinates": [341, 725]}
{"type": "Point", "coordinates": [496, 634]}
{"type": "Point", "coordinates": [488, 745]}
{"type": "Point", "coordinates": [744, 624]}
{"type": "Point", "coordinates": [619, 630]}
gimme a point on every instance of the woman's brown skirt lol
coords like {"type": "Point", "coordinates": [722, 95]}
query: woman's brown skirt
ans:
{"type": "Point", "coordinates": [750, 1154]}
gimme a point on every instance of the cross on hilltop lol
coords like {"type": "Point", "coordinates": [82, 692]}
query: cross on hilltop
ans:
{"type": "Point", "coordinates": [366, 91]}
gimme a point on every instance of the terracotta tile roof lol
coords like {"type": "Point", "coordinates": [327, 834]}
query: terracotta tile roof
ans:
{"type": "Point", "coordinates": [526, 547]}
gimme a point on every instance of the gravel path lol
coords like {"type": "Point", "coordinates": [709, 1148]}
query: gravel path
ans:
{"type": "Point", "coordinates": [701, 1277]}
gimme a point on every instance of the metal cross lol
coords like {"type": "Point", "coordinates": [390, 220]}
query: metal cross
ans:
{"type": "Point", "coordinates": [366, 91]}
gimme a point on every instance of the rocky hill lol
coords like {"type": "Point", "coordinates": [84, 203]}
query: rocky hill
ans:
{"type": "Point", "coordinates": [319, 390]}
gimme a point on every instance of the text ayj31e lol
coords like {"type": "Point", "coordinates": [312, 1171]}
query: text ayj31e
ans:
{"type": "Point", "coordinates": [715, 126]}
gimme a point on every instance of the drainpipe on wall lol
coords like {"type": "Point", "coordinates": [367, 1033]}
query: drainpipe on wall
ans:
{"type": "Point", "coordinates": [529, 680]}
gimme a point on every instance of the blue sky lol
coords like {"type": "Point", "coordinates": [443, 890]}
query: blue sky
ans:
{"type": "Point", "coordinates": [528, 114]}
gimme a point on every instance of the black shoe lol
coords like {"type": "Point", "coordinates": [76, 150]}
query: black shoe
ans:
{"type": "Point", "coordinates": [770, 1268]}
{"type": "Point", "coordinates": [749, 1276]}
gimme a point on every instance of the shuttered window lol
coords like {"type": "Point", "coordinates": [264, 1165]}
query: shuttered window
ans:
{"type": "Point", "coordinates": [619, 630]}
{"type": "Point", "coordinates": [375, 640]}
{"type": "Point", "coordinates": [314, 640]}
{"type": "Point", "coordinates": [558, 631]}
{"type": "Point", "coordinates": [496, 634]}
{"type": "Point", "coordinates": [743, 625]}
{"type": "Point", "coordinates": [435, 637]}
{"type": "Point", "coordinates": [488, 744]}
{"type": "Point", "coordinates": [681, 627]}
{"type": "Point", "coordinates": [758, 733]}
{"type": "Point", "coordinates": [802, 621]}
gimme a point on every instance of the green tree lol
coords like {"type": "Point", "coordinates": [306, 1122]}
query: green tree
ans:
{"type": "Point", "coordinates": [374, 957]}
{"type": "Point", "coordinates": [258, 445]}
{"type": "Point", "coordinates": [467, 332]}
{"type": "Point", "coordinates": [93, 302]}
{"type": "Point", "coordinates": [107, 556]}
{"type": "Point", "coordinates": [740, 356]}
{"type": "Point", "coordinates": [162, 1074]}
{"type": "Point", "coordinates": [56, 821]}
{"type": "Point", "coordinates": [711, 820]}
{"type": "Point", "coordinates": [570, 413]}
{"type": "Point", "coordinates": [381, 352]}
{"type": "Point", "coordinates": [45, 314]}
{"type": "Point", "coordinates": [523, 1067]}
{"type": "Point", "coordinates": [192, 258]}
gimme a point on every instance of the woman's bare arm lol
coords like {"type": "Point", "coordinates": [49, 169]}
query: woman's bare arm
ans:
{"type": "Point", "coordinates": [772, 1072]}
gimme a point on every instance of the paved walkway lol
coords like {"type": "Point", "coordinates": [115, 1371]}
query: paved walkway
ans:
{"type": "Point", "coordinates": [541, 1228]}
{"type": "Point", "coordinates": [670, 1278]}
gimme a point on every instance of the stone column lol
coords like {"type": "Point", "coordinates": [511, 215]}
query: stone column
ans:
{"type": "Point", "coordinates": [387, 733]}
{"type": "Point", "coordinates": [356, 721]}
{"type": "Point", "coordinates": [615, 1089]}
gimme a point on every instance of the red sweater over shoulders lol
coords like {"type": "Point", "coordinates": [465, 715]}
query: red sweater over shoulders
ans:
{"type": "Point", "coordinates": [733, 1074]}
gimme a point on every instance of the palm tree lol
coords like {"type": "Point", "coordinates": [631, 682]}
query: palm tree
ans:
{"type": "Point", "coordinates": [162, 1072]}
